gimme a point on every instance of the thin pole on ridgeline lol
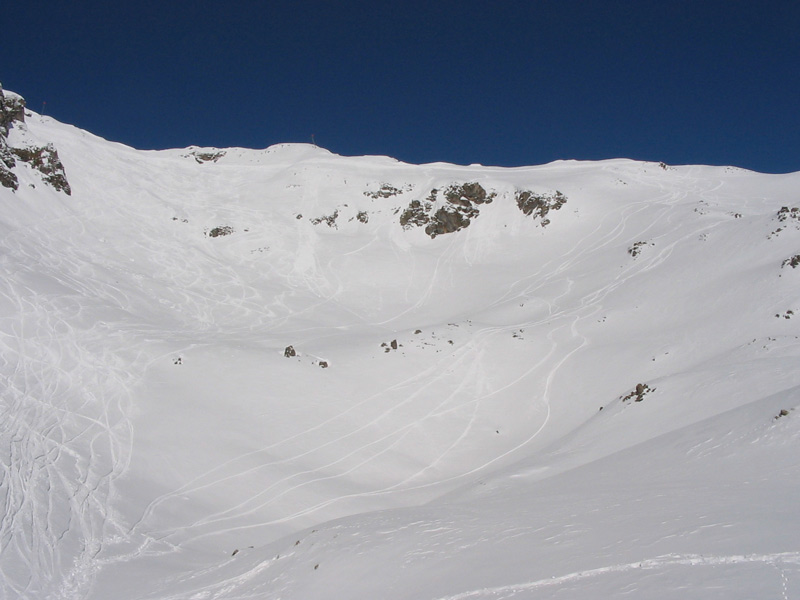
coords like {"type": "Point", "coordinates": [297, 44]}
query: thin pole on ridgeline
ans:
{"type": "Point", "coordinates": [43, 105]}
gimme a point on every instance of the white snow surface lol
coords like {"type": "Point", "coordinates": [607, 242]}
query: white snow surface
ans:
{"type": "Point", "coordinates": [157, 444]}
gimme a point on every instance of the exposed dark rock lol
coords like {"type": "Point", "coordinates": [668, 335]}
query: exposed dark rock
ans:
{"type": "Point", "coordinates": [467, 193]}
{"type": "Point", "coordinates": [638, 394]}
{"type": "Point", "coordinates": [7, 177]}
{"type": "Point", "coordinates": [362, 216]}
{"type": "Point", "coordinates": [538, 205]}
{"type": "Point", "coordinates": [42, 158]}
{"type": "Point", "coordinates": [393, 344]}
{"type": "Point", "coordinates": [329, 220]}
{"type": "Point", "coordinates": [461, 207]}
{"type": "Point", "coordinates": [220, 231]}
{"type": "Point", "coordinates": [449, 220]}
{"type": "Point", "coordinates": [289, 352]}
{"type": "Point", "coordinates": [387, 191]}
{"type": "Point", "coordinates": [45, 160]}
{"type": "Point", "coordinates": [323, 364]}
{"type": "Point", "coordinates": [202, 157]}
{"type": "Point", "coordinates": [636, 249]}
{"type": "Point", "coordinates": [786, 213]}
{"type": "Point", "coordinates": [12, 108]}
{"type": "Point", "coordinates": [793, 262]}
{"type": "Point", "coordinates": [415, 215]}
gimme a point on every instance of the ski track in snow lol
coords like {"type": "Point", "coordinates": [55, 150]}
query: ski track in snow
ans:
{"type": "Point", "coordinates": [376, 447]}
{"type": "Point", "coordinates": [68, 377]}
{"type": "Point", "coordinates": [660, 562]}
{"type": "Point", "coordinates": [66, 438]}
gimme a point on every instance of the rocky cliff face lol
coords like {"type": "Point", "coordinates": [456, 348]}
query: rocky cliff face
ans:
{"type": "Point", "coordinates": [42, 158]}
{"type": "Point", "coordinates": [12, 108]}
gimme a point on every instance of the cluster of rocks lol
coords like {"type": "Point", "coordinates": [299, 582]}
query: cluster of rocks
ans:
{"type": "Point", "coordinates": [220, 231]}
{"type": "Point", "coordinates": [793, 262]}
{"type": "Point", "coordinates": [290, 352]}
{"type": "Point", "coordinates": [457, 206]}
{"type": "Point", "coordinates": [460, 207]}
{"type": "Point", "coordinates": [204, 157]}
{"type": "Point", "coordinates": [538, 205]}
{"type": "Point", "coordinates": [636, 249]}
{"type": "Point", "coordinates": [329, 220]}
{"type": "Point", "coordinates": [638, 394]}
{"type": "Point", "coordinates": [787, 216]}
{"type": "Point", "coordinates": [786, 213]}
{"type": "Point", "coordinates": [393, 345]}
{"type": "Point", "coordinates": [387, 191]}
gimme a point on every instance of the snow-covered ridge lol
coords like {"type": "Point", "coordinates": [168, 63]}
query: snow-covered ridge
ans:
{"type": "Point", "coordinates": [575, 378]}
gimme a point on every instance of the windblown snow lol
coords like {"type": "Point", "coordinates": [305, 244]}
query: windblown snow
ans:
{"type": "Point", "coordinates": [287, 374]}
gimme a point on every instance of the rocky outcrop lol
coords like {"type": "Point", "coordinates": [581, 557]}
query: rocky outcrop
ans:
{"type": "Point", "coordinates": [210, 156]}
{"type": "Point", "coordinates": [45, 160]}
{"type": "Point", "coordinates": [538, 205]}
{"type": "Point", "coordinates": [329, 220]}
{"type": "Point", "coordinates": [793, 262]}
{"type": "Point", "coordinates": [7, 177]}
{"type": "Point", "coordinates": [42, 158]}
{"type": "Point", "coordinates": [636, 249]}
{"type": "Point", "coordinates": [387, 190]}
{"type": "Point", "coordinates": [638, 394]}
{"type": "Point", "coordinates": [12, 108]}
{"type": "Point", "coordinates": [220, 231]}
{"type": "Point", "coordinates": [459, 208]}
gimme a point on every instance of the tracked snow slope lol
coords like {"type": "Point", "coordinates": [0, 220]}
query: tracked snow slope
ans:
{"type": "Point", "coordinates": [450, 386]}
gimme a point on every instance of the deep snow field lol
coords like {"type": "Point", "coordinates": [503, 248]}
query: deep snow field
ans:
{"type": "Point", "coordinates": [580, 409]}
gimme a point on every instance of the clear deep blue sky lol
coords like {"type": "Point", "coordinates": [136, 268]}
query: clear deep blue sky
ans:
{"type": "Point", "coordinates": [497, 82]}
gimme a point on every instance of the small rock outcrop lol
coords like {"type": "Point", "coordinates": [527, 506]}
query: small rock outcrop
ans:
{"type": "Point", "coordinates": [329, 220]}
{"type": "Point", "coordinates": [538, 205]}
{"type": "Point", "coordinates": [638, 394]}
{"type": "Point", "coordinates": [387, 190]}
{"type": "Point", "coordinates": [793, 262]}
{"type": "Point", "coordinates": [204, 157]}
{"type": "Point", "coordinates": [220, 231]}
{"type": "Point", "coordinates": [636, 249]}
{"type": "Point", "coordinates": [45, 160]}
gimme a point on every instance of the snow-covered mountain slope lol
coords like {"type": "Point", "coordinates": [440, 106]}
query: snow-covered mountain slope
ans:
{"type": "Point", "coordinates": [282, 373]}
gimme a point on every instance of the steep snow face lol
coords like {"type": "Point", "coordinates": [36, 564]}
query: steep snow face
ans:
{"type": "Point", "coordinates": [527, 382]}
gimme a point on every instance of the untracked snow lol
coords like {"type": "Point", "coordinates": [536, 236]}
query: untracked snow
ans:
{"type": "Point", "coordinates": [596, 400]}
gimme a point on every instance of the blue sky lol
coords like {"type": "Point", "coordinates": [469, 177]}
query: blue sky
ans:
{"type": "Point", "coordinates": [503, 83]}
